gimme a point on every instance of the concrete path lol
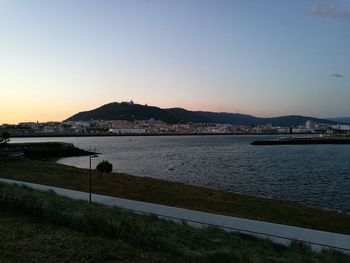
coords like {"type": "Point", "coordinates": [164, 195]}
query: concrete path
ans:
{"type": "Point", "coordinates": [278, 233]}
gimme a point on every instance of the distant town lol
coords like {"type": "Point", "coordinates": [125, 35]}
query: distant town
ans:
{"type": "Point", "coordinates": [157, 127]}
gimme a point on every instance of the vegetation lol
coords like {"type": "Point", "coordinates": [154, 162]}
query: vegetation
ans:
{"type": "Point", "coordinates": [29, 239]}
{"type": "Point", "coordinates": [124, 111]}
{"type": "Point", "coordinates": [44, 150]}
{"type": "Point", "coordinates": [104, 167]}
{"type": "Point", "coordinates": [5, 137]}
{"type": "Point", "coordinates": [112, 227]}
{"type": "Point", "coordinates": [175, 194]}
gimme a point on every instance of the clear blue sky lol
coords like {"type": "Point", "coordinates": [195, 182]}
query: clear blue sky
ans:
{"type": "Point", "coordinates": [264, 58]}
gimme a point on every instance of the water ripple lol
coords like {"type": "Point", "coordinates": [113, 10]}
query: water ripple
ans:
{"type": "Point", "coordinates": [317, 175]}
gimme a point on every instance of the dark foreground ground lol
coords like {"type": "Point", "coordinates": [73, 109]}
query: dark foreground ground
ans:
{"type": "Point", "coordinates": [175, 194]}
{"type": "Point", "coordinates": [27, 239]}
{"type": "Point", "coordinates": [37, 226]}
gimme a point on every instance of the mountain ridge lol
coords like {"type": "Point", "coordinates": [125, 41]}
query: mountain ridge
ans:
{"type": "Point", "coordinates": [341, 119]}
{"type": "Point", "coordinates": [130, 111]}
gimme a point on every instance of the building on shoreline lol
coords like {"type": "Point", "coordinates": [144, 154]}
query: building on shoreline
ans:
{"type": "Point", "coordinates": [154, 127]}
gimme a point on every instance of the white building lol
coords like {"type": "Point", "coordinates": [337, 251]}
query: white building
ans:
{"type": "Point", "coordinates": [341, 127]}
{"type": "Point", "coordinates": [310, 125]}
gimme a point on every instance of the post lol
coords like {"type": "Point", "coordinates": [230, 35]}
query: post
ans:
{"type": "Point", "coordinates": [91, 155]}
{"type": "Point", "coordinates": [90, 180]}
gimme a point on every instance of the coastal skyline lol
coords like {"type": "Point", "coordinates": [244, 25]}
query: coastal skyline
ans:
{"type": "Point", "coordinates": [266, 58]}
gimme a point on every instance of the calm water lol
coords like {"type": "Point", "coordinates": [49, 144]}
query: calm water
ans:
{"type": "Point", "coordinates": [318, 175]}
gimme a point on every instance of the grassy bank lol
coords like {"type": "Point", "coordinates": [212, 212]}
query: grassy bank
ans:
{"type": "Point", "coordinates": [175, 194]}
{"type": "Point", "coordinates": [41, 242]}
{"type": "Point", "coordinates": [40, 223]}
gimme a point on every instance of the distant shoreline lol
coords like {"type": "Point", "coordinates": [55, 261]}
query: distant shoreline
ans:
{"type": "Point", "coordinates": [147, 134]}
{"type": "Point", "coordinates": [305, 141]}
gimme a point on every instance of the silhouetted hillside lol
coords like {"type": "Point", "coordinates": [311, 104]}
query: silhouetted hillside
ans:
{"type": "Point", "coordinates": [129, 111]}
{"type": "Point", "coordinates": [224, 117]}
{"type": "Point", "coordinates": [186, 116]}
{"type": "Point", "coordinates": [124, 111]}
{"type": "Point", "coordinates": [241, 119]}
{"type": "Point", "coordinates": [341, 119]}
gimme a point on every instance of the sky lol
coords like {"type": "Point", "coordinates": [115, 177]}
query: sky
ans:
{"type": "Point", "coordinates": [265, 58]}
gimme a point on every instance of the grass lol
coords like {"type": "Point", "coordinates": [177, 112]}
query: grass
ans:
{"type": "Point", "coordinates": [27, 239]}
{"type": "Point", "coordinates": [176, 194]}
{"type": "Point", "coordinates": [46, 227]}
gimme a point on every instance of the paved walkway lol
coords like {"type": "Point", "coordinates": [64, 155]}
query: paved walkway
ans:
{"type": "Point", "coordinates": [276, 232]}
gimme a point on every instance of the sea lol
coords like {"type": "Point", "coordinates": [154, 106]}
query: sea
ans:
{"type": "Point", "coordinates": [316, 175]}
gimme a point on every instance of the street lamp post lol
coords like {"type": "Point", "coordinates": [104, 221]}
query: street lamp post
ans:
{"type": "Point", "coordinates": [90, 180]}
{"type": "Point", "coordinates": [90, 184]}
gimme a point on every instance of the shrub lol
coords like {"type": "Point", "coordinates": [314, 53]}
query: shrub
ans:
{"type": "Point", "coordinates": [104, 167]}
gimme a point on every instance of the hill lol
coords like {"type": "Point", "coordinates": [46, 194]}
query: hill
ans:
{"type": "Point", "coordinates": [131, 111]}
{"type": "Point", "coordinates": [341, 119]}
{"type": "Point", "coordinates": [243, 119]}
{"type": "Point", "coordinates": [124, 111]}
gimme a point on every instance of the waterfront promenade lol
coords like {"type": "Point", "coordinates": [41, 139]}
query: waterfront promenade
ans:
{"type": "Point", "coordinates": [278, 233]}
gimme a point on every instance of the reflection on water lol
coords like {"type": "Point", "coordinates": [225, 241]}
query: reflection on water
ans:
{"type": "Point", "coordinates": [314, 174]}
